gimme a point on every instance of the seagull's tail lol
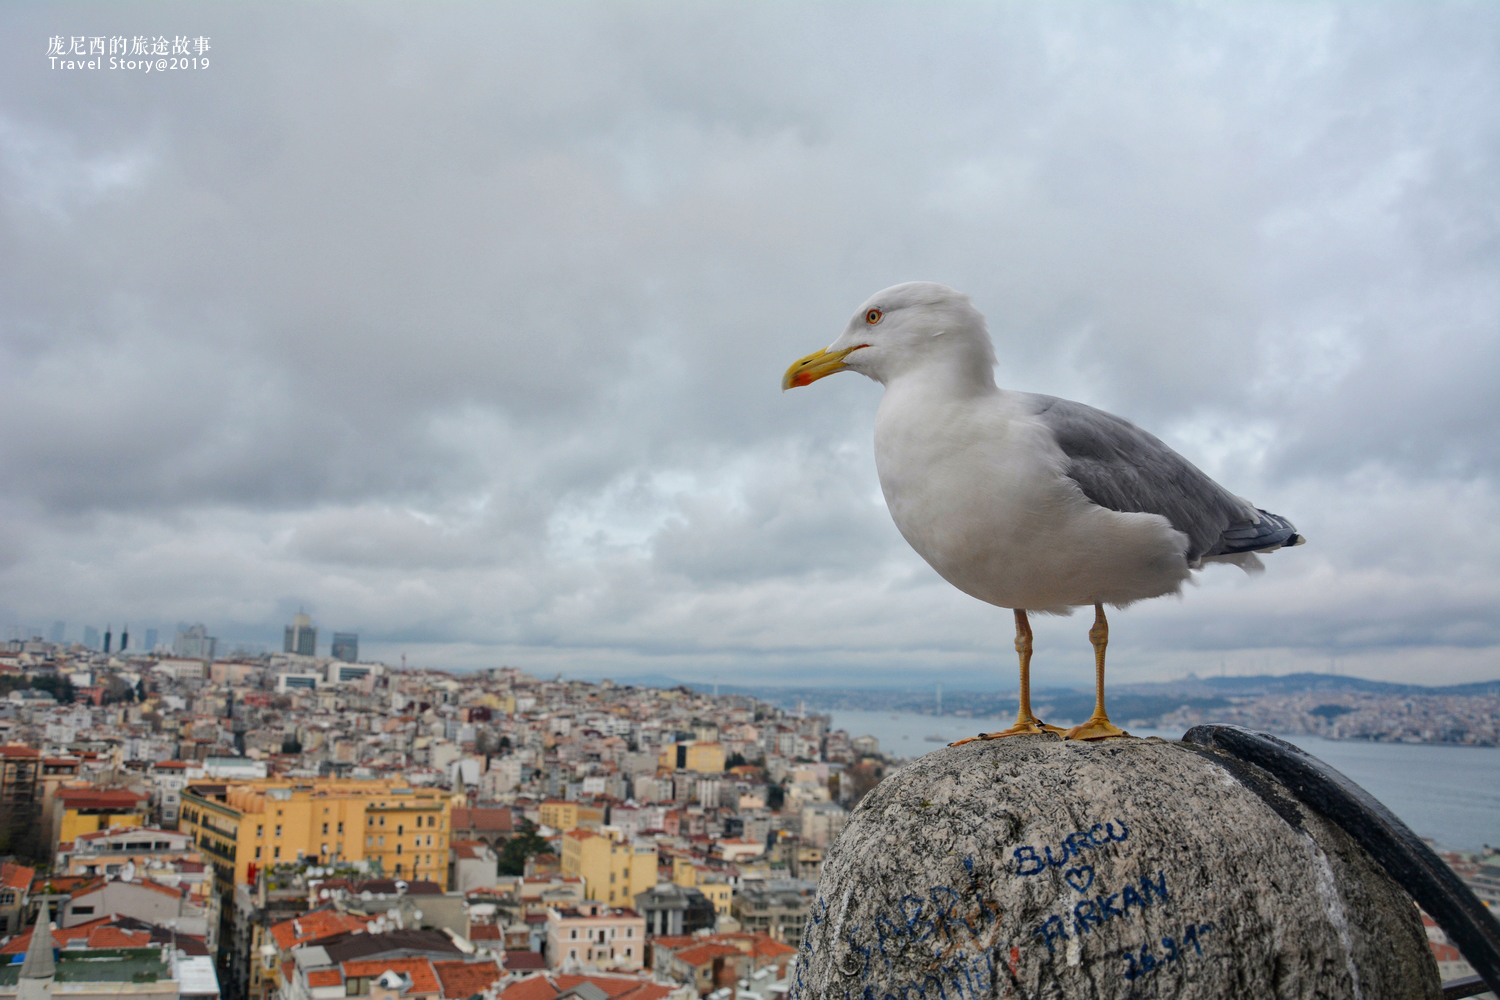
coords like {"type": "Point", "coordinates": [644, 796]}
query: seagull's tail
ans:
{"type": "Point", "coordinates": [1267, 533]}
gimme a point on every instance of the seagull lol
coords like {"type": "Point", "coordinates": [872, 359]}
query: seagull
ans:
{"type": "Point", "coordinates": [1027, 501]}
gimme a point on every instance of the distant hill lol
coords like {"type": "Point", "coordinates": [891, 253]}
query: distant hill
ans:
{"type": "Point", "coordinates": [1126, 701]}
{"type": "Point", "coordinates": [1302, 683]}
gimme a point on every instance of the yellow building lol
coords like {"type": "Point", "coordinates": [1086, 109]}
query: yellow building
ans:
{"type": "Point", "coordinates": [89, 810]}
{"type": "Point", "coordinates": [500, 702]}
{"type": "Point", "coordinates": [613, 871]}
{"type": "Point", "coordinates": [715, 887]}
{"type": "Point", "coordinates": [276, 819]}
{"type": "Point", "coordinates": [705, 758]}
{"type": "Point", "coordinates": [565, 816]}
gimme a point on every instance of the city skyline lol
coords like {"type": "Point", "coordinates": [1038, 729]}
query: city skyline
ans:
{"type": "Point", "coordinates": [463, 328]}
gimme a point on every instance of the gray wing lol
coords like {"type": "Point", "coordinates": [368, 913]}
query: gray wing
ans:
{"type": "Point", "coordinates": [1121, 467]}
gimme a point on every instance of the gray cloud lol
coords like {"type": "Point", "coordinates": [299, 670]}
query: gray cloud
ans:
{"type": "Point", "coordinates": [464, 327]}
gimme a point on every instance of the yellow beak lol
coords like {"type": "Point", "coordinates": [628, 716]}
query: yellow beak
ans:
{"type": "Point", "coordinates": [805, 371]}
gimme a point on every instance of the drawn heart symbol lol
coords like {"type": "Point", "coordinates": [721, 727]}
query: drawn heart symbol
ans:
{"type": "Point", "coordinates": [1081, 877]}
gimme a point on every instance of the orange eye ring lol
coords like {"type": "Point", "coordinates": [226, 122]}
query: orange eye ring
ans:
{"type": "Point", "coordinates": [873, 316]}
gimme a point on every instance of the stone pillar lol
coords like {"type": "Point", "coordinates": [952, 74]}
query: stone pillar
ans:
{"type": "Point", "coordinates": [1034, 867]}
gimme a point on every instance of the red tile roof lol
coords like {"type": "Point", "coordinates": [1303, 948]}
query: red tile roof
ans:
{"type": "Point", "coordinates": [59, 883]}
{"type": "Point", "coordinates": [94, 882]}
{"type": "Point", "coordinates": [615, 988]}
{"type": "Point", "coordinates": [19, 750]}
{"type": "Point", "coordinates": [674, 941]}
{"type": "Point", "coordinates": [95, 798]}
{"type": "Point", "coordinates": [314, 926]}
{"type": "Point", "coordinates": [771, 948]}
{"type": "Point", "coordinates": [423, 979]}
{"type": "Point", "coordinates": [537, 987]}
{"type": "Point", "coordinates": [484, 932]}
{"type": "Point", "coordinates": [324, 977]}
{"type": "Point", "coordinates": [478, 818]}
{"type": "Point", "coordinates": [115, 937]}
{"type": "Point", "coordinates": [17, 945]}
{"type": "Point", "coordinates": [464, 979]}
{"type": "Point", "coordinates": [14, 876]}
{"type": "Point", "coordinates": [706, 953]}
{"type": "Point", "coordinates": [523, 961]}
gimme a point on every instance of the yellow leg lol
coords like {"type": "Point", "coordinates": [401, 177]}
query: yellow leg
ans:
{"type": "Point", "coordinates": [1098, 726]}
{"type": "Point", "coordinates": [1026, 723]}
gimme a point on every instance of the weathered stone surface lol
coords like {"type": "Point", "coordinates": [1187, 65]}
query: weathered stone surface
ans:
{"type": "Point", "coordinates": [1031, 867]}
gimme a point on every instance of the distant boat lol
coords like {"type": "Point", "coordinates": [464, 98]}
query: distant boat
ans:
{"type": "Point", "coordinates": [935, 738]}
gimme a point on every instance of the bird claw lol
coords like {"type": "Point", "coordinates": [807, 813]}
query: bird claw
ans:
{"type": "Point", "coordinates": [1033, 728]}
{"type": "Point", "coordinates": [1096, 728]}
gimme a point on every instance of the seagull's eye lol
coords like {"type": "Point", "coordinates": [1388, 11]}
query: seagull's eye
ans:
{"type": "Point", "coordinates": [873, 316]}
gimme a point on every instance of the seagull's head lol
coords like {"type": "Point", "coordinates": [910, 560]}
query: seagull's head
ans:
{"type": "Point", "coordinates": [919, 325]}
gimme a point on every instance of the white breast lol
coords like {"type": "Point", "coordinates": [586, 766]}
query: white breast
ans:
{"type": "Point", "coordinates": [977, 487]}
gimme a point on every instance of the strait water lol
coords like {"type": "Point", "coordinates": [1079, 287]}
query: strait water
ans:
{"type": "Point", "coordinates": [1449, 793]}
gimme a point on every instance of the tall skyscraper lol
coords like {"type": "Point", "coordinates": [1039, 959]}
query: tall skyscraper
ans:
{"type": "Point", "coordinates": [91, 637]}
{"type": "Point", "coordinates": [107, 637]}
{"type": "Point", "coordinates": [151, 638]}
{"type": "Point", "coordinates": [301, 637]}
{"type": "Point", "coordinates": [345, 647]}
{"type": "Point", "coordinates": [57, 632]}
{"type": "Point", "coordinates": [194, 643]}
{"type": "Point", "coordinates": [125, 637]}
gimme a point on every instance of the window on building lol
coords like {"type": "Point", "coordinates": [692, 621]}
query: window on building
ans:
{"type": "Point", "coordinates": [278, 829]}
{"type": "Point", "coordinates": [275, 852]}
{"type": "Point", "coordinates": [325, 828]}
{"type": "Point", "coordinates": [325, 848]}
{"type": "Point", "coordinates": [86, 911]}
{"type": "Point", "coordinates": [627, 950]}
{"type": "Point", "coordinates": [260, 830]}
{"type": "Point", "coordinates": [257, 854]}
{"type": "Point", "coordinates": [341, 828]}
{"type": "Point", "coordinates": [398, 847]}
{"type": "Point", "coordinates": [573, 934]}
{"type": "Point", "coordinates": [629, 932]}
{"type": "Point", "coordinates": [400, 829]}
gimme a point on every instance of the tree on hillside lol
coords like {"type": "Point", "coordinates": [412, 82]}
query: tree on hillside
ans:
{"type": "Point", "coordinates": [520, 847]}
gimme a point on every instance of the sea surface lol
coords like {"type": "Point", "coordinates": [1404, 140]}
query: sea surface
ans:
{"type": "Point", "coordinates": [1448, 793]}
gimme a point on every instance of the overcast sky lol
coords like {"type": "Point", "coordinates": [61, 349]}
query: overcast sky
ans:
{"type": "Point", "coordinates": [462, 326]}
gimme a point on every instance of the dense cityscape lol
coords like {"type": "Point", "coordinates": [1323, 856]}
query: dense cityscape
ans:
{"type": "Point", "coordinates": [297, 826]}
